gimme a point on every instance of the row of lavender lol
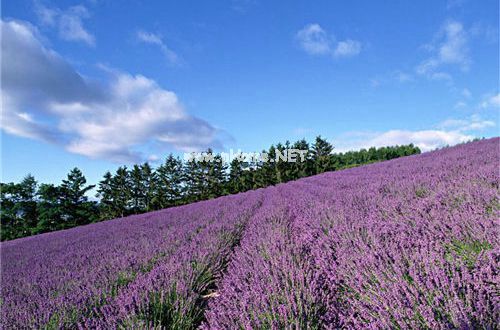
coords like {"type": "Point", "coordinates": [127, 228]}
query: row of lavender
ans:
{"type": "Point", "coordinates": [410, 243]}
{"type": "Point", "coordinates": [78, 277]}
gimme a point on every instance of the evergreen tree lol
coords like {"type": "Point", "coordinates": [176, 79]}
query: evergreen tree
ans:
{"type": "Point", "coordinates": [280, 166]}
{"type": "Point", "coordinates": [236, 182]}
{"type": "Point", "coordinates": [193, 180]}
{"type": "Point", "coordinates": [216, 177]}
{"type": "Point", "coordinates": [105, 193]}
{"type": "Point", "coordinates": [12, 225]}
{"type": "Point", "coordinates": [149, 186]}
{"type": "Point", "coordinates": [302, 168]}
{"type": "Point", "coordinates": [121, 192]}
{"type": "Point", "coordinates": [28, 200]}
{"type": "Point", "coordinates": [50, 208]}
{"type": "Point", "coordinates": [169, 179]}
{"type": "Point", "coordinates": [265, 174]}
{"type": "Point", "coordinates": [18, 207]}
{"type": "Point", "coordinates": [138, 190]}
{"type": "Point", "coordinates": [321, 151]}
{"type": "Point", "coordinates": [78, 210]}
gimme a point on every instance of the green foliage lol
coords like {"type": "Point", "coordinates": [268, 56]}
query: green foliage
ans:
{"type": "Point", "coordinates": [421, 192]}
{"type": "Point", "coordinates": [51, 209]}
{"type": "Point", "coordinates": [169, 178]}
{"type": "Point", "coordinates": [18, 208]}
{"type": "Point", "coordinates": [170, 310]}
{"type": "Point", "coordinates": [78, 210]}
{"type": "Point", "coordinates": [105, 193]}
{"type": "Point", "coordinates": [28, 208]}
{"type": "Point", "coordinates": [466, 251]}
{"type": "Point", "coordinates": [321, 155]}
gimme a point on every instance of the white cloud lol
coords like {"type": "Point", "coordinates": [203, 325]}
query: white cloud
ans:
{"type": "Point", "coordinates": [491, 101]}
{"type": "Point", "coordinates": [426, 140]}
{"type": "Point", "coordinates": [460, 104]}
{"type": "Point", "coordinates": [443, 76]}
{"type": "Point", "coordinates": [155, 39]}
{"type": "Point", "coordinates": [473, 123]}
{"type": "Point", "coordinates": [314, 40]}
{"type": "Point", "coordinates": [44, 98]}
{"type": "Point", "coordinates": [347, 48]}
{"type": "Point", "coordinates": [450, 48]}
{"type": "Point", "coordinates": [71, 26]}
{"type": "Point", "coordinates": [69, 22]}
{"type": "Point", "coordinates": [449, 132]}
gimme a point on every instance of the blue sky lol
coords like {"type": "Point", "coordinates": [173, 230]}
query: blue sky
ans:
{"type": "Point", "coordinates": [96, 84]}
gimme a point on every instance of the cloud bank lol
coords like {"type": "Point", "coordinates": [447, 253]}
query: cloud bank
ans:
{"type": "Point", "coordinates": [449, 132]}
{"type": "Point", "coordinates": [44, 98]}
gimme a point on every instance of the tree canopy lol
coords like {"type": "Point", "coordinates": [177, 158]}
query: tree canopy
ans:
{"type": "Point", "coordinates": [29, 208]}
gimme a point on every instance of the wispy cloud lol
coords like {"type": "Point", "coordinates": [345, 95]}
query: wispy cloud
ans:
{"type": "Point", "coordinates": [314, 40]}
{"type": "Point", "coordinates": [157, 40]}
{"type": "Point", "coordinates": [491, 101]}
{"type": "Point", "coordinates": [460, 104]}
{"type": "Point", "coordinates": [449, 49]}
{"type": "Point", "coordinates": [472, 123]}
{"type": "Point", "coordinates": [466, 93]}
{"type": "Point", "coordinates": [44, 98]}
{"type": "Point", "coordinates": [397, 76]}
{"type": "Point", "coordinates": [69, 22]}
{"type": "Point", "coordinates": [347, 48]}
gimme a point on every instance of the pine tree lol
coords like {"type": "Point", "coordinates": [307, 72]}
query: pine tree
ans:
{"type": "Point", "coordinates": [138, 192]}
{"type": "Point", "coordinates": [193, 179]}
{"type": "Point", "coordinates": [216, 177]}
{"type": "Point", "coordinates": [236, 180]}
{"type": "Point", "coordinates": [168, 185]}
{"type": "Point", "coordinates": [321, 151]}
{"type": "Point", "coordinates": [12, 225]}
{"type": "Point", "coordinates": [77, 208]}
{"type": "Point", "coordinates": [302, 167]}
{"type": "Point", "coordinates": [265, 174]}
{"type": "Point", "coordinates": [149, 184]}
{"type": "Point", "coordinates": [50, 209]}
{"type": "Point", "coordinates": [121, 192]}
{"type": "Point", "coordinates": [105, 193]}
{"type": "Point", "coordinates": [284, 168]}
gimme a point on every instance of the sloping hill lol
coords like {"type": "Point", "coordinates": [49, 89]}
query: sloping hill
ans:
{"type": "Point", "coordinates": [409, 243]}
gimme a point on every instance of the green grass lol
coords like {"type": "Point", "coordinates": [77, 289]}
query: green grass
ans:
{"type": "Point", "coordinates": [466, 251]}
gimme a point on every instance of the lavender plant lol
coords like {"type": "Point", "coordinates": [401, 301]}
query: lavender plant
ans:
{"type": "Point", "coordinates": [408, 243]}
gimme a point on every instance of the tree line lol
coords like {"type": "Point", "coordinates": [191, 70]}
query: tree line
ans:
{"type": "Point", "coordinates": [29, 208]}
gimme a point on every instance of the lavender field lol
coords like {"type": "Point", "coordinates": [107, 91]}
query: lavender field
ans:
{"type": "Point", "coordinates": [407, 243]}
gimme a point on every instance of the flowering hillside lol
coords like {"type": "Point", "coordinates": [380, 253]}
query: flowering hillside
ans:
{"type": "Point", "coordinates": [407, 243]}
